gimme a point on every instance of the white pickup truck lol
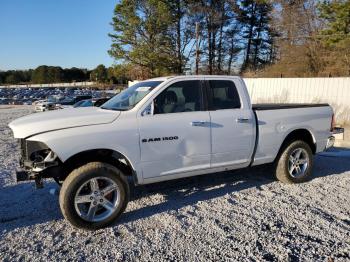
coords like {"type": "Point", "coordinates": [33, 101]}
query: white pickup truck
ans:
{"type": "Point", "coordinates": [162, 129]}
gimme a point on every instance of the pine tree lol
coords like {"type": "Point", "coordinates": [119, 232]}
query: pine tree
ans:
{"type": "Point", "coordinates": [142, 35]}
{"type": "Point", "coordinates": [181, 32]}
{"type": "Point", "coordinates": [255, 18]}
{"type": "Point", "coordinates": [337, 17]}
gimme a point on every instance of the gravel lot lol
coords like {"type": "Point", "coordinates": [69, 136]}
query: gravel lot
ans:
{"type": "Point", "coordinates": [243, 215]}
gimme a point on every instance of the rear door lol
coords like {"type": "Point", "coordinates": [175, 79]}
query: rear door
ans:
{"type": "Point", "coordinates": [175, 139]}
{"type": "Point", "coordinates": [232, 123]}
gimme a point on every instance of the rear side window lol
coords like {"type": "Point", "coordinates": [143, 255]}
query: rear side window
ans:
{"type": "Point", "coordinates": [223, 94]}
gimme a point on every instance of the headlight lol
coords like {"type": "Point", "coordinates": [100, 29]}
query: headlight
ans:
{"type": "Point", "coordinates": [36, 156]}
{"type": "Point", "coordinates": [39, 156]}
{"type": "Point", "coordinates": [30, 149]}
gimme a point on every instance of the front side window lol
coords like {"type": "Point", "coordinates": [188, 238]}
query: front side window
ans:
{"type": "Point", "coordinates": [224, 95]}
{"type": "Point", "coordinates": [183, 96]}
{"type": "Point", "coordinates": [128, 98]}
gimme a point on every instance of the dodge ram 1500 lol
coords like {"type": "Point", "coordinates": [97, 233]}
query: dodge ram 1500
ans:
{"type": "Point", "coordinates": [161, 129]}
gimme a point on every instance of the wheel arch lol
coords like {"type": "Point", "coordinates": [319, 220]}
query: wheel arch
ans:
{"type": "Point", "coordinates": [109, 156]}
{"type": "Point", "coordinates": [299, 134]}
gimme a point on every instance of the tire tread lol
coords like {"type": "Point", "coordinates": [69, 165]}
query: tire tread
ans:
{"type": "Point", "coordinates": [282, 173]}
{"type": "Point", "coordinates": [71, 180]}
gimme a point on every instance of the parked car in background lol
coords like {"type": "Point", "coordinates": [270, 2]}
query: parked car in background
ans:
{"type": "Point", "coordinates": [83, 103]}
{"type": "Point", "coordinates": [100, 101]}
{"type": "Point", "coordinates": [91, 102]}
{"type": "Point", "coordinates": [58, 95]}
{"type": "Point", "coordinates": [44, 105]}
{"type": "Point", "coordinates": [79, 98]}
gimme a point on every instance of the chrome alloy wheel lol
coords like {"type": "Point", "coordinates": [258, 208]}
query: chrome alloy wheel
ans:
{"type": "Point", "coordinates": [97, 199]}
{"type": "Point", "coordinates": [298, 162]}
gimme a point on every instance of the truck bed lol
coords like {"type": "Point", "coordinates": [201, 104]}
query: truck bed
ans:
{"type": "Point", "coordinates": [276, 121]}
{"type": "Point", "coordinates": [284, 106]}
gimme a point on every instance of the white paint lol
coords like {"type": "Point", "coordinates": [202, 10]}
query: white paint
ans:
{"type": "Point", "coordinates": [198, 149]}
{"type": "Point", "coordinates": [271, 134]}
{"type": "Point", "coordinates": [61, 119]}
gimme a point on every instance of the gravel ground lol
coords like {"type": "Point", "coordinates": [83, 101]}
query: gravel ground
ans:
{"type": "Point", "coordinates": [243, 215]}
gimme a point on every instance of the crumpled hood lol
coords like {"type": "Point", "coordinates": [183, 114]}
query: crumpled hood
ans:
{"type": "Point", "coordinates": [59, 119]}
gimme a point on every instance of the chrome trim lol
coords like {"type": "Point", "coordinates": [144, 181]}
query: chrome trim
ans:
{"type": "Point", "coordinates": [242, 120]}
{"type": "Point", "coordinates": [198, 123]}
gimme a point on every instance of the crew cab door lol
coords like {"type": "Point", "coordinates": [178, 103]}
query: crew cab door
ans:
{"type": "Point", "coordinates": [232, 123]}
{"type": "Point", "coordinates": [175, 138]}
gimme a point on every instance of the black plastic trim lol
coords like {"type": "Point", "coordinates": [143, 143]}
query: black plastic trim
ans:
{"type": "Point", "coordinates": [207, 97]}
{"type": "Point", "coordinates": [284, 106]}
{"type": "Point", "coordinates": [256, 138]}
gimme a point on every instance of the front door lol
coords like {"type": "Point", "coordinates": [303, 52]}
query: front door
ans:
{"type": "Point", "coordinates": [176, 137]}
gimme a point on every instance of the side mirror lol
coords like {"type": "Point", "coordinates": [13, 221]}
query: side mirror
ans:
{"type": "Point", "coordinates": [148, 111]}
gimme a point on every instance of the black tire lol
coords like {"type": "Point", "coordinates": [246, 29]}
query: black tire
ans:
{"type": "Point", "coordinates": [282, 163]}
{"type": "Point", "coordinates": [77, 178]}
{"type": "Point", "coordinates": [58, 181]}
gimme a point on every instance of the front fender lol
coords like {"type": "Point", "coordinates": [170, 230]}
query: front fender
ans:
{"type": "Point", "coordinates": [69, 142]}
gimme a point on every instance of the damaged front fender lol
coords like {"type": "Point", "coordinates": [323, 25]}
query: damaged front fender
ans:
{"type": "Point", "coordinates": [37, 161]}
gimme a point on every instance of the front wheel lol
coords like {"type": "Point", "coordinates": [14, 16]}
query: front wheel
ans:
{"type": "Point", "coordinates": [295, 162]}
{"type": "Point", "coordinates": [94, 195]}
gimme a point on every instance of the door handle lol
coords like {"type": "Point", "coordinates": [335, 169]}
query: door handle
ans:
{"type": "Point", "coordinates": [198, 123]}
{"type": "Point", "coordinates": [242, 120]}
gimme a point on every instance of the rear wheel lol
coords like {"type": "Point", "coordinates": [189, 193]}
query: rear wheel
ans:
{"type": "Point", "coordinates": [295, 162]}
{"type": "Point", "coordinates": [94, 196]}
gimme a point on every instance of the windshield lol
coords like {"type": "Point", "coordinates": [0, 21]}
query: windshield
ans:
{"type": "Point", "coordinates": [130, 96]}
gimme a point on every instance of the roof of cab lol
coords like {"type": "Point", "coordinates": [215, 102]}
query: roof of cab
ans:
{"type": "Point", "coordinates": [164, 78]}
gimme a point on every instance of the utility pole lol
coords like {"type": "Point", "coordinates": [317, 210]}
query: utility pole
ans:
{"type": "Point", "coordinates": [197, 47]}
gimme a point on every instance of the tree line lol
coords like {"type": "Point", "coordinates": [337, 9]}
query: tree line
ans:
{"type": "Point", "coordinates": [55, 74]}
{"type": "Point", "coordinates": [257, 38]}
{"type": "Point", "coordinates": [283, 38]}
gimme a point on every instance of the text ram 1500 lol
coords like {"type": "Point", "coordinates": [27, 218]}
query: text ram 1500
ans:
{"type": "Point", "coordinates": [162, 129]}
